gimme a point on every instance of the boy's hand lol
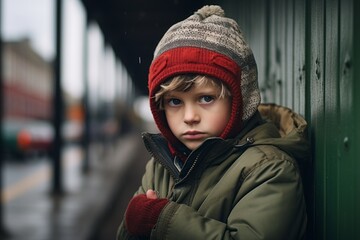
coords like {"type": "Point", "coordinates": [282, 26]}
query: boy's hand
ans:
{"type": "Point", "coordinates": [142, 213]}
{"type": "Point", "coordinates": [151, 194]}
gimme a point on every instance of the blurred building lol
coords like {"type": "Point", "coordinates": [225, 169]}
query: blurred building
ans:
{"type": "Point", "coordinates": [27, 82]}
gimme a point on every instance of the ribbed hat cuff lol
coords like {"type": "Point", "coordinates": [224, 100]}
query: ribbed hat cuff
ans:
{"type": "Point", "coordinates": [185, 60]}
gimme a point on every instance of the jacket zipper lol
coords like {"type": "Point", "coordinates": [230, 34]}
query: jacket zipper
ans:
{"type": "Point", "coordinates": [193, 164]}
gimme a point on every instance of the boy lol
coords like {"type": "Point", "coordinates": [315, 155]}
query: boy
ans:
{"type": "Point", "coordinates": [218, 170]}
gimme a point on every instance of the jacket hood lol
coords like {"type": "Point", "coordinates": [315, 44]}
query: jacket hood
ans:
{"type": "Point", "coordinates": [284, 129]}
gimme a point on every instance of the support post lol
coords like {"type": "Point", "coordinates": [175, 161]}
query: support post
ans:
{"type": "Point", "coordinates": [57, 187]}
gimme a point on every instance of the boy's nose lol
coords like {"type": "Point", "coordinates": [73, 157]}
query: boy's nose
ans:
{"type": "Point", "coordinates": [191, 116]}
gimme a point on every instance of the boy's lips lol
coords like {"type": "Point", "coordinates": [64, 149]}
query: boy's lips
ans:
{"type": "Point", "coordinates": [193, 135]}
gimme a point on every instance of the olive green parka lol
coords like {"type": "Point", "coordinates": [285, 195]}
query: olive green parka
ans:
{"type": "Point", "coordinates": [244, 188]}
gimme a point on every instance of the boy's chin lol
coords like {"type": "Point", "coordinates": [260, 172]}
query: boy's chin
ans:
{"type": "Point", "coordinates": [192, 146]}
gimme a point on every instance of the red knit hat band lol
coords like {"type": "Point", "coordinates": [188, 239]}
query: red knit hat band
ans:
{"type": "Point", "coordinates": [192, 60]}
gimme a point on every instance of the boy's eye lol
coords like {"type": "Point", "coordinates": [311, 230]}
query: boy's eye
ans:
{"type": "Point", "coordinates": [207, 99]}
{"type": "Point", "coordinates": [174, 102]}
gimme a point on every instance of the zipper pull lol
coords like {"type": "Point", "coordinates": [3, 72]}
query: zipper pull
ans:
{"type": "Point", "coordinates": [178, 163]}
{"type": "Point", "coordinates": [249, 140]}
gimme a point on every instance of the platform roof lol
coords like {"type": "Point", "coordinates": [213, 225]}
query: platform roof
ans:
{"type": "Point", "coordinates": [134, 27]}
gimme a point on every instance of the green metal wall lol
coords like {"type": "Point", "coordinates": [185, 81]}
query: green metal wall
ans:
{"type": "Point", "coordinates": [308, 58]}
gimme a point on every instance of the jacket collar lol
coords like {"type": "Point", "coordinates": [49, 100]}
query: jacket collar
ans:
{"type": "Point", "coordinates": [212, 148]}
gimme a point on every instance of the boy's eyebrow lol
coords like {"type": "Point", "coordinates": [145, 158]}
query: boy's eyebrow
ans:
{"type": "Point", "coordinates": [211, 91]}
{"type": "Point", "coordinates": [169, 95]}
{"type": "Point", "coordinates": [197, 94]}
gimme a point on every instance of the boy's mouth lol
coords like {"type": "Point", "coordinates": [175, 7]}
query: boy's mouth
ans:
{"type": "Point", "coordinates": [193, 135]}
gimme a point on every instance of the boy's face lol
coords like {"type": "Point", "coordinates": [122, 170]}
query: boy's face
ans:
{"type": "Point", "coordinates": [196, 114]}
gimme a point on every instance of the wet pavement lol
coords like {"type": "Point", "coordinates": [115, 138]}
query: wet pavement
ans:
{"type": "Point", "coordinates": [92, 204]}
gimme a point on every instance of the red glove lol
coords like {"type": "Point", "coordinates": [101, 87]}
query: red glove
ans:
{"type": "Point", "coordinates": [142, 214]}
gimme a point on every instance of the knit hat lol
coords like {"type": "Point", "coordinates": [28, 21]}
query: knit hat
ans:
{"type": "Point", "coordinates": [207, 43]}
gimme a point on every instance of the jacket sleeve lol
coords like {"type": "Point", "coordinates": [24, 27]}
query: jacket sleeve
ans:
{"type": "Point", "coordinates": [269, 205]}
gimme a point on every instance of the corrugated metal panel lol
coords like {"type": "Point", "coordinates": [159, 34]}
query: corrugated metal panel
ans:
{"type": "Point", "coordinates": [356, 130]}
{"type": "Point", "coordinates": [299, 57]}
{"type": "Point", "coordinates": [316, 119]}
{"type": "Point", "coordinates": [311, 63]}
{"type": "Point", "coordinates": [347, 159]}
{"type": "Point", "coordinates": [289, 60]}
{"type": "Point", "coordinates": [331, 118]}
